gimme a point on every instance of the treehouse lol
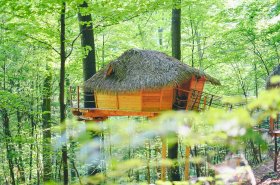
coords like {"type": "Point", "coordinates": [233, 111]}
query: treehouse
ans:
{"type": "Point", "coordinates": [274, 129]}
{"type": "Point", "coordinates": [144, 83]}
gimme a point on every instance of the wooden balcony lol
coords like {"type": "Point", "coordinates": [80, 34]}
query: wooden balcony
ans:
{"type": "Point", "coordinates": [192, 100]}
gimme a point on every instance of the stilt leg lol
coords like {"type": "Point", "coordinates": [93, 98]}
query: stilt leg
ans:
{"type": "Point", "coordinates": [276, 153]}
{"type": "Point", "coordinates": [163, 155]}
{"type": "Point", "coordinates": [271, 124]}
{"type": "Point", "coordinates": [187, 163]}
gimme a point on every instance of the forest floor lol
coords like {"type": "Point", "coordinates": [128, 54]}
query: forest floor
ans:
{"type": "Point", "coordinates": [265, 174]}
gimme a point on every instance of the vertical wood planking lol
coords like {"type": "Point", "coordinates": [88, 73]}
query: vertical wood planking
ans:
{"type": "Point", "coordinates": [95, 99]}
{"type": "Point", "coordinates": [160, 102]}
{"type": "Point", "coordinates": [117, 101]}
{"type": "Point", "coordinates": [141, 96]}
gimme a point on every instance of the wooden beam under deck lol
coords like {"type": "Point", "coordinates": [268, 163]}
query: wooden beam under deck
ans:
{"type": "Point", "coordinates": [99, 113]}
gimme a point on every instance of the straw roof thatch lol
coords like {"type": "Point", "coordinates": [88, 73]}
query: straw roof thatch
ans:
{"type": "Point", "coordinates": [275, 72]}
{"type": "Point", "coordinates": [139, 69]}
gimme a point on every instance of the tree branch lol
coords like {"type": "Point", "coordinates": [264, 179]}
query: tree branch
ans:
{"type": "Point", "coordinates": [43, 42]}
{"type": "Point", "coordinates": [72, 44]}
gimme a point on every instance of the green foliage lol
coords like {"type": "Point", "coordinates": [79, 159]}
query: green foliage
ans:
{"type": "Point", "coordinates": [239, 44]}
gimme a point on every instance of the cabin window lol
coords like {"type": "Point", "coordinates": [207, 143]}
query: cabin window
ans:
{"type": "Point", "coordinates": [109, 71]}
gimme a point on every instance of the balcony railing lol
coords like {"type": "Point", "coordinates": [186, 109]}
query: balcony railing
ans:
{"type": "Point", "coordinates": [79, 98]}
{"type": "Point", "coordinates": [197, 100]}
{"type": "Point", "coordinates": [192, 100]}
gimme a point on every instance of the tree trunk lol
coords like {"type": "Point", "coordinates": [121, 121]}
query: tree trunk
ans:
{"type": "Point", "coordinates": [176, 30]}
{"type": "Point", "coordinates": [87, 39]}
{"type": "Point", "coordinates": [61, 90]}
{"type": "Point", "coordinates": [160, 34]}
{"type": "Point", "coordinates": [200, 51]}
{"type": "Point", "coordinates": [174, 174]}
{"type": "Point", "coordinates": [197, 166]}
{"type": "Point", "coordinates": [192, 28]}
{"type": "Point", "coordinates": [176, 52]}
{"type": "Point", "coordinates": [31, 117]}
{"type": "Point", "coordinates": [20, 151]}
{"type": "Point", "coordinates": [89, 67]}
{"type": "Point", "coordinates": [46, 116]}
{"type": "Point", "coordinates": [9, 147]}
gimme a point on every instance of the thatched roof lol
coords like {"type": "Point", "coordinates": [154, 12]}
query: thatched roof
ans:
{"type": "Point", "coordinates": [139, 69]}
{"type": "Point", "coordinates": [275, 72]}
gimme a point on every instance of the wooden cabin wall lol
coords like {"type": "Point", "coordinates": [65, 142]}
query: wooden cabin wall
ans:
{"type": "Point", "coordinates": [197, 84]}
{"type": "Point", "coordinates": [167, 99]}
{"type": "Point", "coordinates": [130, 101]}
{"type": "Point", "coordinates": [146, 100]}
{"type": "Point", "coordinates": [106, 101]}
{"type": "Point", "coordinates": [153, 100]}
{"type": "Point", "coordinates": [156, 100]}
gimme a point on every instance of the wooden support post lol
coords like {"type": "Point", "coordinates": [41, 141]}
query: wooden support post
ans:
{"type": "Point", "coordinates": [210, 103]}
{"type": "Point", "coordinates": [71, 101]}
{"type": "Point", "coordinates": [163, 155]}
{"type": "Point", "coordinates": [189, 102]}
{"type": "Point", "coordinates": [187, 163]}
{"type": "Point", "coordinates": [277, 122]}
{"type": "Point", "coordinates": [204, 102]}
{"type": "Point", "coordinates": [276, 153]}
{"type": "Point", "coordinates": [271, 124]}
{"type": "Point", "coordinates": [78, 91]}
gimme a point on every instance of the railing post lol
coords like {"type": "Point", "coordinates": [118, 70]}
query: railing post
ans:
{"type": "Point", "coordinates": [197, 96]}
{"type": "Point", "coordinates": [78, 91]}
{"type": "Point", "coordinates": [204, 102]}
{"type": "Point", "coordinates": [210, 103]}
{"type": "Point", "coordinates": [71, 103]}
{"type": "Point", "coordinates": [271, 124]}
{"type": "Point", "coordinates": [189, 100]}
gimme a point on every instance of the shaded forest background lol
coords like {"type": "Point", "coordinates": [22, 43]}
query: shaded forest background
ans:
{"type": "Point", "coordinates": [235, 41]}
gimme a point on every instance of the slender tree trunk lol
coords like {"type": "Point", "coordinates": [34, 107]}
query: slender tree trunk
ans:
{"type": "Point", "coordinates": [31, 117]}
{"type": "Point", "coordinates": [46, 116]}
{"type": "Point", "coordinates": [37, 161]}
{"type": "Point", "coordinates": [197, 166]}
{"type": "Point", "coordinates": [148, 155]}
{"type": "Point", "coordinates": [174, 174]}
{"type": "Point", "coordinates": [8, 140]}
{"type": "Point", "coordinates": [87, 40]}
{"type": "Point", "coordinates": [176, 30]}
{"type": "Point", "coordinates": [20, 160]}
{"type": "Point", "coordinates": [276, 52]}
{"type": "Point", "coordinates": [191, 22]}
{"type": "Point", "coordinates": [89, 67]}
{"type": "Point", "coordinates": [160, 35]}
{"type": "Point", "coordinates": [103, 50]}
{"type": "Point", "coordinates": [259, 55]}
{"type": "Point", "coordinates": [61, 90]}
{"type": "Point", "coordinates": [257, 94]}
{"type": "Point", "coordinates": [199, 46]}
{"type": "Point", "coordinates": [176, 52]}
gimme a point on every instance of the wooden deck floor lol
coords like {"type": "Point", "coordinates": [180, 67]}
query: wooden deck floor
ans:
{"type": "Point", "coordinates": [92, 113]}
